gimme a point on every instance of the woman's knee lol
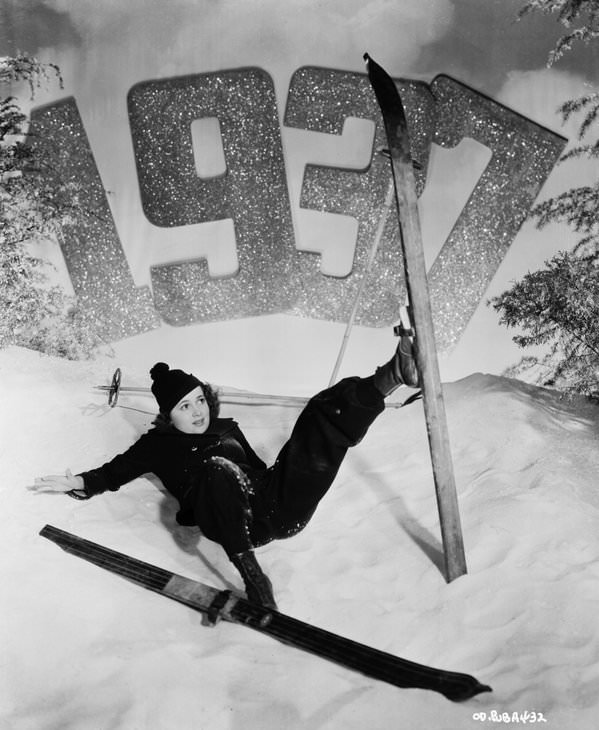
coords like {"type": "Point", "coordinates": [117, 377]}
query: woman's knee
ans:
{"type": "Point", "coordinates": [223, 477]}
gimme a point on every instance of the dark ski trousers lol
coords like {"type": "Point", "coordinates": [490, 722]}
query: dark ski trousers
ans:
{"type": "Point", "coordinates": [244, 510]}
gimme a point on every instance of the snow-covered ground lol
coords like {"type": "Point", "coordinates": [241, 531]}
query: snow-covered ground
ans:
{"type": "Point", "coordinates": [83, 649]}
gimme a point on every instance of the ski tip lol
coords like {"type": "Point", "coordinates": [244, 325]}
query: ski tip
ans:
{"type": "Point", "coordinates": [368, 60]}
{"type": "Point", "coordinates": [459, 688]}
{"type": "Point", "coordinates": [376, 72]}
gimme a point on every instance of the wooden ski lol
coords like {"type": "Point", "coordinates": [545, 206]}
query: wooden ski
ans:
{"type": "Point", "coordinates": [230, 607]}
{"type": "Point", "coordinates": [418, 292]}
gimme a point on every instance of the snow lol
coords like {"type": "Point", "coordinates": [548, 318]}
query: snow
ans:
{"type": "Point", "coordinates": [83, 649]}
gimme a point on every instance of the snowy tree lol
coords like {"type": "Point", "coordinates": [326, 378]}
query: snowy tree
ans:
{"type": "Point", "coordinates": [568, 12]}
{"type": "Point", "coordinates": [557, 307]}
{"type": "Point", "coordinates": [33, 313]}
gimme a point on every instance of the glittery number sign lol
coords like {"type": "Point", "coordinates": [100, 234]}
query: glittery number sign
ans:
{"type": "Point", "coordinates": [93, 254]}
{"type": "Point", "coordinates": [272, 275]}
{"type": "Point", "coordinates": [253, 191]}
{"type": "Point", "coordinates": [523, 155]}
{"type": "Point", "coordinates": [321, 100]}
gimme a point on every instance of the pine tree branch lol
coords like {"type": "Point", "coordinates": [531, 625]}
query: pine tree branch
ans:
{"type": "Point", "coordinates": [568, 12]}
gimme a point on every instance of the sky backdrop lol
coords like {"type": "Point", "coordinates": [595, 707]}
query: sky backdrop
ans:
{"type": "Point", "coordinates": [104, 47]}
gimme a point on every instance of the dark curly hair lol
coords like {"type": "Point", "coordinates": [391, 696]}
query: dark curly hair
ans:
{"type": "Point", "coordinates": [212, 398]}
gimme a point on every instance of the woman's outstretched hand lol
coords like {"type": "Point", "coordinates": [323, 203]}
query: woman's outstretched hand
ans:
{"type": "Point", "coordinates": [58, 483]}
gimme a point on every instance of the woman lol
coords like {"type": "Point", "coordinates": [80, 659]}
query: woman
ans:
{"type": "Point", "coordinates": [221, 484]}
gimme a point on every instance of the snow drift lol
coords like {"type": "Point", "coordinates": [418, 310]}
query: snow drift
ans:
{"type": "Point", "coordinates": [85, 649]}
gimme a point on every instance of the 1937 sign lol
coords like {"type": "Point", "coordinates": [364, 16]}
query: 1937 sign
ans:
{"type": "Point", "coordinates": [273, 275]}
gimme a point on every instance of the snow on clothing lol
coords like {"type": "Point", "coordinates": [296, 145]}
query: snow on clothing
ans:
{"type": "Point", "coordinates": [225, 489]}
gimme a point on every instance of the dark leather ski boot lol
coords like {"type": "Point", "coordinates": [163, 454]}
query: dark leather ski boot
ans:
{"type": "Point", "coordinates": [257, 585]}
{"type": "Point", "coordinates": [400, 370]}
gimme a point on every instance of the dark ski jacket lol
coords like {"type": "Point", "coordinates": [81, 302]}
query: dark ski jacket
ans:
{"type": "Point", "coordinates": [175, 458]}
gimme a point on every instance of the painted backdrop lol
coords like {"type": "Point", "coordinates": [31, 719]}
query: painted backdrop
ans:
{"type": "Point", "coordinates": [234, 148]}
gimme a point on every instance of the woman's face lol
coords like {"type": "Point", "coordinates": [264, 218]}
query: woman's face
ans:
{"type": "Point", "coordinates": [191, 414]}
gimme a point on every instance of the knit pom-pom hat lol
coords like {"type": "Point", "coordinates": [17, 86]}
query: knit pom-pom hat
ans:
{"type": "Point", "coordinates": [169, 386]}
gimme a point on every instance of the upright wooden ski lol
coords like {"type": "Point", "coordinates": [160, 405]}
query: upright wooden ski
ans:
{"type": "Point", "coordinates": [418, 293]}
{"type": "Point", "coordinates": [226, 605]}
